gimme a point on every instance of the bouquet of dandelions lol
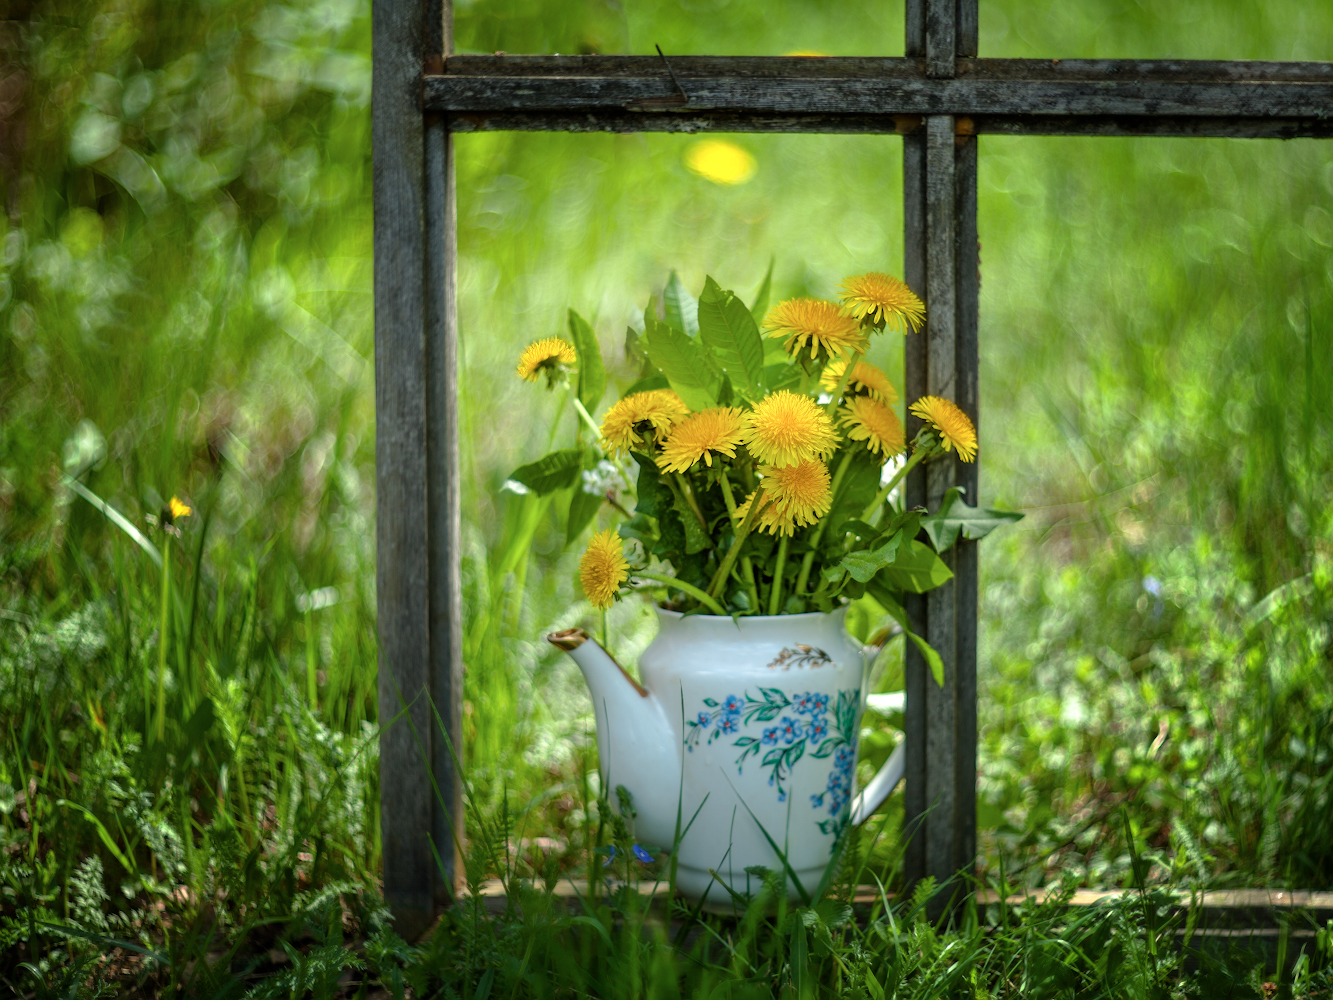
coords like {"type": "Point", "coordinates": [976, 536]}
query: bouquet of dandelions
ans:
{"type": "Point", "coordinates": [745, 475]}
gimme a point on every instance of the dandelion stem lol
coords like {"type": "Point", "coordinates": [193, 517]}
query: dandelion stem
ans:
{"type": "Point", "coordinates": [605, 643]}
{"type": "Point", "coordinates": [757, 503]}
{"type": "Point", "coordinates": [687, 588]}
{"type": "Point", "coordinates": [730, 501]}
{"type": "Point", "coordinates": [832, 408]}
{"type": "Point", "coordinates": [887, 488]}
{"type": "Point", "coordinates": [163, 621]}
{"type": "Point", "coordinates": [688, 495]}
{"type": "Point", "coordinates": [746, 566]}
{"type": "Point", "coordinates": [775, 595]}
{"type": "Point", "coordinates": [586, 417]}
{"type": "Point", "coordinates": [808, 561]}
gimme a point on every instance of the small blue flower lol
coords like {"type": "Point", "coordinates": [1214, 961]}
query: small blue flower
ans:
{"type": "Point", "coordinates": [728, 725]}
{"type": "Point", "coordinates": [782, 795]}
{"type": "Point", "coordinates": [817, 729]}
{"type": "Point", "coordinates": [703, 718]}
{"type": "Point", "coordinates": [844, 758]}
{"type": "Point", "coordinates": [642, 855]}
{"type": "Point", "coordinates": [819, 703]}
{"type": "Point", "coordinates": [803, 703]}
{"type": "Point", "coordinates": [732, 705]}
{"type": "Point", "coordinates": [816, 801]}
{"type": "Point", "coordinates": [770, 737]}
{"type": "Point", "coordinates": [610, 855]}
{"type": "Point", "coordinates": [790, 729]}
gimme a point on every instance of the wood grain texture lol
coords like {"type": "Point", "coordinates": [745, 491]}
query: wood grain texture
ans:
{"type": "Point", "coordinates": [762, 91]}
{"type": "Point", "coordinates": [941, 614]}
{"type": "Point", "coordinates": [915, 673]}
{"type": "Point", "coordinates": [416, 466]}
{"type": "Point", "coordinates": [941, 41]}
{"type": "Point", "coordinates": [717, 122]}
{"type": "Point", "coordinates": [402, 566]}
{"type": "Point", "coordinates": [444, 499]}
{"type": "Point", "coordinates": [967, 395]}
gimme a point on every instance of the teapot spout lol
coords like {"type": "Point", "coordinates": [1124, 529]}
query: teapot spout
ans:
{"type": "Point", "coordinates": [637, 747]}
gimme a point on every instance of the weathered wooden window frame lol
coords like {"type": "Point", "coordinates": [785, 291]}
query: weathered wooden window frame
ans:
{"type": "Point", "coordinates": [939, 97]}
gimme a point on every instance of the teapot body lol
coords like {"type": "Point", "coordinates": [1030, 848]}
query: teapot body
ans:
{"type": "Point", "coordinates": [766, 714]}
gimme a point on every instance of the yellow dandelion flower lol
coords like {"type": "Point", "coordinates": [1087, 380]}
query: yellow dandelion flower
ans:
{"type": "Point", "coordinates": [700, 435]}
{"type": "Point", "coordinates": [796, 496]}
{"type": "Point", "coordinates": [545, 356]}
{"type": "Point", "coordinates": [626, 423]}
{"type": "Point", "coordinates": [603, 568]}
{"type": "Point", "coordinates": [873, 422]}
{"type": "Point", "coordinates": [773, 519]}
{"type": "Point", "coordinates": [883, 299]}
{"type": "Point", "coordinates": [785, 428]}
{"type": "Point", "coordinates": [800, 492]}
{"type": "Point", "coordinates": [720, 162]}
{"type": "Point", "coordinates": [953, 425]}
{"type": "Point", "coordinates": [866, 378]}
{"type": "Point", "coordinates": [178, 509]}
{"type": "Point", "coordinates": [820, 325]}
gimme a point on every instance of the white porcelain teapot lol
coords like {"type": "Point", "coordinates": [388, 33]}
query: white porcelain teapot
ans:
{"type": "Point", "coordinates": [753, 723]}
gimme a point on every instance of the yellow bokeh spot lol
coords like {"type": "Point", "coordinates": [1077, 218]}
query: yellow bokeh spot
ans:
{"type": "Point", "coordinates": [720, 162]}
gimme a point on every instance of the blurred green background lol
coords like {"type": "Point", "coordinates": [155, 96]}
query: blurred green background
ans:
{"type": "Point", "coordinates": [187, 311]}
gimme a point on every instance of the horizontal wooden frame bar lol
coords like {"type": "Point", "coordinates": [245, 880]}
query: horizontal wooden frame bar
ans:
{"type": "Point", "coordinates": [879, 96]}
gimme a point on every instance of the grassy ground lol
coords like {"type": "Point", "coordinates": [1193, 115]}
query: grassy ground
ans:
{"type": "Point", "coordinates": [188, 799]}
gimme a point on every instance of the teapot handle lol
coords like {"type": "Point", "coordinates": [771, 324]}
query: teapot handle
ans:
{"type": "Point", "coordinates": [881, 786]}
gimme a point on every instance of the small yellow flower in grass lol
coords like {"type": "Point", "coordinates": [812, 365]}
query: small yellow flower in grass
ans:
{"type": "Point", "coordinates": [603, 568]}
{"type": "Point", "coordinates": [720, 162]}
{"type": "Point", "coordinates": [820, 325]}
{"type": "Point", "coordinates": [796, 496]}
{"type": "Point", "coordinates": [866, 378]}
{"type": "Point", "coordinates": [700, 435]}
{"type": "Point", "coordinates": [953, 425]}
{"type": "Point", "coordinates": [547, 356]}
{"type": "Point", "coordinates": [178, 509]}
{"type": "Point", "coordinates": [626, 423]}
{"type": "Point", "coordinates": [883, 299]}
{"type": "Point", "coordinates": [785, 428]}
{"type": "Point", "coordinates": [873, 422]}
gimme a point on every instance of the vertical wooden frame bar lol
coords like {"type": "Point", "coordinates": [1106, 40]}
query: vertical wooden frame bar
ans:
{"type": "Point", "coordinates": [416, 466]}
{"type": "Point", "coordinates": [446, 637]}
{"type": "Point", "coordinates": [939, 192]}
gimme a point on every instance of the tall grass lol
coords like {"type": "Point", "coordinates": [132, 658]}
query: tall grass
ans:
{"type": "Point", "coordinates": [186, 312]}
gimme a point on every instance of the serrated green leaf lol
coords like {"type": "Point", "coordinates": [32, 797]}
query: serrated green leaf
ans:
{"type": "Point", "coordinates": [916, 568]}
{"type": "Point", "coordinates": [637, 352]}
{"type": "Point", "coordinates": [888, 600]}
{"type": "Point", "coordinates": [859, 485]}
{"type": "Point", "coordinates": [583, 508]}
{"type": "Point", "coordinates": [654, 498]}
{"type": "Point", "coordinates": [681, 307]}
{"type": "Point", "coordinates": [865, 563]}
{"type": "Point", "coordinates": [696, 539]}
{"type": "Point", "coordinates": [592, 373]}
{"type": "Point", "coordinates": [727, 329]}
{"type": "Point", "coordinates": [551, 472]}
{"type": "Point", "coordinates": [695, 376]}
{"type": "Point", "coordinates": [955, 517]}
{"type": "Point", "coordinates": [759, 308]}
{"type": "Point", "coordinates": [780, 376]}
{"type": "Point", "coordinates": [655, 380]}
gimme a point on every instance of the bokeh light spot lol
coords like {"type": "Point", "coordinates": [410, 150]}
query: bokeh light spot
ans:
{"type": "Point", "coordinates": [720, 162]}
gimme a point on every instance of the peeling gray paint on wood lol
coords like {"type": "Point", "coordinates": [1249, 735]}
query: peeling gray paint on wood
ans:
{"type": "Point", "coordinates": [415, 468]}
